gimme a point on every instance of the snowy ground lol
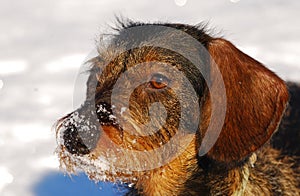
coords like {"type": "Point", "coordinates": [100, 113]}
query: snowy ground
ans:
{"type": "Point", "coordinates": [43, 44]}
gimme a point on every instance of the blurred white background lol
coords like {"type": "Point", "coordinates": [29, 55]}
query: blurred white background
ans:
{"type": "Point", "coordinates": [43, 43]}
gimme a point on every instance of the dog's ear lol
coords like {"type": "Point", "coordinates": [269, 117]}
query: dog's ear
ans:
{"type": "Point", "coordinates": [256, 100]}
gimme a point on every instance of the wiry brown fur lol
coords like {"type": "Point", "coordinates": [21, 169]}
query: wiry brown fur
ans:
{"type": "Point", "coordinates": [241, 162]}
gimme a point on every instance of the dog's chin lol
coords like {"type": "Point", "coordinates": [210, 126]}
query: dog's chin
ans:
{"type": "Point", "coordinates": [98, 162]}
{"type": "Point", "coordinates": [99, 166]}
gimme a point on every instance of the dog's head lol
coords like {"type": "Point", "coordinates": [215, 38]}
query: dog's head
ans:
{"type": "Point", "coordinates": [157, 91]}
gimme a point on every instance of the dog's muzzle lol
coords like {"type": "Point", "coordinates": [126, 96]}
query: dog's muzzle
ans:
{"type": "Point", "coordinates": [80, 131]}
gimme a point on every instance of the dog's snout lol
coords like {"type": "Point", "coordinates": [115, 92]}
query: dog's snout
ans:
{"type": "Point", "coordinates": [73, 142]}
{"type": "Point", "coordinates": [80, 130]}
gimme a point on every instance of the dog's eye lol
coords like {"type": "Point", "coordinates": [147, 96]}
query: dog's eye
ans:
{"type": "Point", "coordinates": [159, 81]}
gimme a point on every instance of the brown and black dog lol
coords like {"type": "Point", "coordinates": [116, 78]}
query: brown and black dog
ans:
{"type": "Point", "coordinates": [171, 110]}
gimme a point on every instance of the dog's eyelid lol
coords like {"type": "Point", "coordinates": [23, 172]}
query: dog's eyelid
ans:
{"type": "Point", "coordinates": [159, 75]}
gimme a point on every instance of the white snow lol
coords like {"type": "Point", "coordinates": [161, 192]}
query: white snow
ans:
{"type": "Point", "coordinates": [1, 84]}
{"type": "Point", "coordinates": [9, 67]}
{"type": "Point", "coordinates": [101, 109]}
{"type": "Point", "coordinates": [65, 63]}
{"type": "Point", "coordinates": [30, 133]}
{"type": "Point", "coordinates": [5, 177]}
{"type": "Point", "coordinates": [123, 109]}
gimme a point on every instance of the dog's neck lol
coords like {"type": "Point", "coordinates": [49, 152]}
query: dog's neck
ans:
{"type": "Point", "coordinates": [169, 179]}
{"type": "Point", "coordinates": [182, 175]}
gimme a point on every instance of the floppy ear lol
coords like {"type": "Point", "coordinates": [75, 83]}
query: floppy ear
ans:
{"type": "Point", "coordinates": [256, 100]}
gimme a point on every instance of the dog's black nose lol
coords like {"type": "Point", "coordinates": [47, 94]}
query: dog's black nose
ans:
{"type": "Point", "coordinates": [74, 142]}
{"type": "Point", "coordinates": [80, 129]}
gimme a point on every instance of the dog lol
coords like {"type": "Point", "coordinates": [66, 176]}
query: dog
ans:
{"type": "Point", "coordinates": [173, 110]}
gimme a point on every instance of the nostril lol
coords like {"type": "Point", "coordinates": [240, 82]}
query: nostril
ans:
{"type": "Point", "coordinates": [73, 142]}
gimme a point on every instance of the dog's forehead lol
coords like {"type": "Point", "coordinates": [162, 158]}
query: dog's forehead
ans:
{"type": "Point", "coordinates": [165, 31]}
{"type": "Point", "coordinates": [168, 35]}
